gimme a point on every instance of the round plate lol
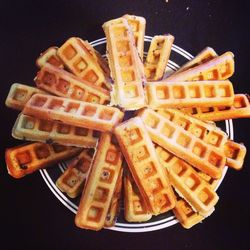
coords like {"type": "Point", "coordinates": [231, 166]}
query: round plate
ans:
{"type": "Point", "coordinates": [178, 57]}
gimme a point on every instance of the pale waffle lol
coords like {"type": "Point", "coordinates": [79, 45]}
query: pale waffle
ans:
{"type": "Point", "coordinates": [26, 159]}
{"type": "Point", "coordinates": [204, 56]}
{"type": "Point", "coordinates": [135, 209]}
{"type": "Point", "coordinates": [219, 68]}
{"type": "Point", "coordinates": [62, 83]}
{"type": "Point", "coordinates": [49, 56]}
{"type": "Point", "coordinates": [77, 113]}
{"type": "Point", "coordinates": [114, 207]}
{"type": "Point", "coordinates": [183, 143]}
{"type": "Point", "coordinates": [157, 57]}
{"type": "Point", "coordinates": [20, 94]}
{"type": "Point", "coordinates": [150, 178]}
{"type": "Point", "coordinates": [100, 185]}
{"type": "Point", "coordinates": [34, 129]}
{"type": "Point", "coordinates": [125, 65]}
{"type": "Point", "coordinates": [239, 109]}
{"type": "Point", "coordinates": [73, 178]}
{"type": "Point", "coordinates": [77, 58]}
{"type": "Point", "coordinates": [162, 95]}
{"type": "Point", "coordinates": [210, 134]}
{"type": "Point", "coordinates": [138, 26]}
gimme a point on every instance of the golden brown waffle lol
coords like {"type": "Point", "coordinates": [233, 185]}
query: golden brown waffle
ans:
{"type": "Point", "coordinates": [73, 178]}
{"type": "Point", "coordinates": [239, 109]}
{"type": "Point", "coordinates": [77, 113]}
{"type": "Point", "coordinates": [135, 209]}
{"type": "Point", "coordinates": [235, 154]}
{"type": "Point", "coordinates": [19, 95]}
{"type": "Point", "coordinates": [210, 134]}
{"type": "Point", "coordinates": [77, 58]}
{"type": "Point", "coordinates": [28, 158]}
{"type": "Point", "coordinates": [100, 185]}
{"type": "Point", "coordinates": [138, 26]}
{"type": "Point", "coordinates": [190, 185]}
{"type": "Point", "coordinates": [183, 143]}
{"type": "Point", "coordinates": [49, 56]}
{"type": "Point", "coordinates": [211, 181]}
{"type": "Point", "coordinates": [34, 129]}
{"type": "Point", "coordinates": [204, 56]}
{"type": "Point", "coordinates": [114, 204]}
{"type": "Point", "coordinates": [163, 95]}
{"type": "Point", "coordinates": [157, 57]}
{"type": "Point", "coordinates": [125, 65]}
{"type": "Point", "coordinates": [219, 68]}
{"type": "Point", "coordinates": [62, 83]}
{"type": "Point", "coordinates": [150, 178]}
{"type": "Point", "coordinates": [185, 214]}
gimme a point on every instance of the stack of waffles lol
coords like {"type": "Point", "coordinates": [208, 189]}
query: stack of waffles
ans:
{"type": "Point", "coordinates": [168, 156]}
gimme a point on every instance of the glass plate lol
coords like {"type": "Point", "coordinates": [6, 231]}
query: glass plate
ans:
{"type": "Point", "coordinates": [178, 57]}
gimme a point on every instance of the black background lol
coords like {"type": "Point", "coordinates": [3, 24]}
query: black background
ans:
{"type": "Point", "coordinates": [30, 216]}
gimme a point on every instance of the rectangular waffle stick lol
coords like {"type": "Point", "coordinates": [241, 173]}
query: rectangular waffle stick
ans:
{"type": "Point", "coordinates": [28, 158]}
{"type": "Point", "coordinates": [207, 132]}
{"type": "Point", "coordinates": [234, 152]}
{"type": "Point", "coordinates": [77, 113]}
{"type": "Point", "coordinates": [35, 129]}
{"type": "Point", "coordinates": [150, 178]}
{"type": "Point", "coordinates": [125, 65]}
{"type": "Point", "coordinates": [183, 211]}
{"type": "Point", "coordinates": [204, 56]}
{"type": "Point", "coordinates": [219, 68]}
{"type": "Point", "coordinates": [138, 26]}
{"type": "Point", "coordinates": [188, 183]}
{"type": "Point", "coordinates": [73, 178]}
{"type": "Point", "coordinates": [239, 109]}
{"type": "Point", "coordinates": [19, 95]}
{"type": "Point", "coordinates": [114, 207]}
{"type": "Point", "coordinates": [157, 57]}
{"type": "Point", "coordinates": [184, 144]}
{"type": "Point", "coordinates": [100, 185]}
{"type": "Point", "coordinates": [98, 57]}
{"type": "Point", "coordinates": [163, 95]}
{"type": "Point", "coordinates": [49, 56]}
{"type": "Point", "coordinates": [62, 83]}
{"type": "Point", "coordinates": [77, 58]}
{"type": "Point", "coordinates": [135, 209]}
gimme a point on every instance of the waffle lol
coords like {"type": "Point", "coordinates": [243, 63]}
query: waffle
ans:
{"type": "Point", "coordinates": [211, 181]}
{"type": "Point", "coordinates": [207, 132]}
{"type": "Point", "coordinates": [114, 204]}
{"type": "Point", "coordinates": [49, 56]}
{"type": "Point", "coordinates": [100, 185]}
{"type": "Point", "coordinates": [125, 65]}
{"type": "Point", "coordinates": [77, 58]}
{"type": "Point", "coordinates": [73, 178]}
{"type": "Point", "coordinates": [28, 158]}
{"type": "Point", "coordinates": [184, 144]}
{"type": "Point", "coordinates": [135, 207]}
{"type": "Point", "coordinates": [239, 109]}
{"type": "Point", "coordinates": [62, 83]}
{"type": "Point", "coordinates": [34, 129]}
{"type": "Point", "coordinates": [150, 178]}
{"type": "Point", "coordinates": [235, 154]}
{"type": "Point", "coordinates": [219, 68]}
{"type": "Point", "coordinates": [72, 112]}
{"type": "Point", "coordinates": [204, 56]}
{"type": "Point", "coordinates": [19, 94]}
{"type": "Point", "coordinates": [157, 57]}
{"type": "Point", "coordinates": [162, 95]}
{"type": "Point", "coordinates": [138, 26]}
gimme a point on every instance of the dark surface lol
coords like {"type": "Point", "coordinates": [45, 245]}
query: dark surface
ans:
{"type": "Point", "coordinates": [31, 217]}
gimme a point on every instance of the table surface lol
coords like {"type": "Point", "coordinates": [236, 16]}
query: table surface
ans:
{"type": "Point", "coordinates": [31, 216]}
